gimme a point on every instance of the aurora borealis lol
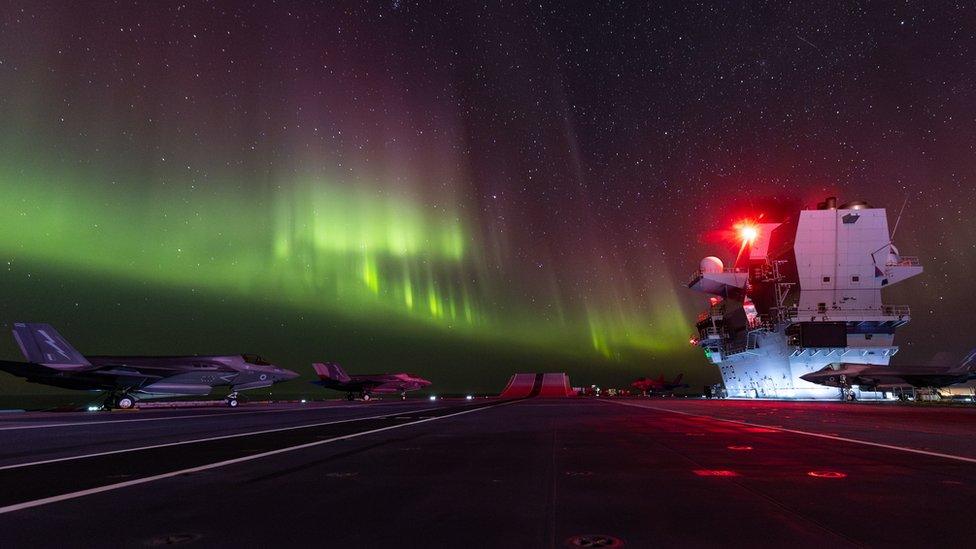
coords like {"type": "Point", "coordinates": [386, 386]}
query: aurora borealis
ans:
{"type": "Point", "coordinates": [452, 190]}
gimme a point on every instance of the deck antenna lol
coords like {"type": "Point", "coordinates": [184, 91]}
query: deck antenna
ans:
{"type": "Point", "coordinates": [898, 220]}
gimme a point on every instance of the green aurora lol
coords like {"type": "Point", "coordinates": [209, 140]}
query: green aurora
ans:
{"type": "Point", "coordinates": [358, 203]}
{"type": "Point", "coordinates": [365, 254]}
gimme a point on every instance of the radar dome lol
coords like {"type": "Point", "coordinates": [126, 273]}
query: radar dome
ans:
{"type": "Point", "coordinates": [711, 264]}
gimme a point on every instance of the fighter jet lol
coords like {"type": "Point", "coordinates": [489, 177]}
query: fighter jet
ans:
{"type": "Point", "coordinates": [332, 376]}
{"type": "Point", "coordinates": [873, 378]}
{"type": "Point", "coordinates": [52, 361]}
{"type": "Point", "coordinates": [650, 386]}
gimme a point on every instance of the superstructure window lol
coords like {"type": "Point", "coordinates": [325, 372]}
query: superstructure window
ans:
{"type": "Point", "coordinates": [826, 279]}
{"type": "Point", "coordinates": [855, 278]}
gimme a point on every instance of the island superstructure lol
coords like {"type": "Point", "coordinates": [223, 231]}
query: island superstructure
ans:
{"type": "Point", "coordinates": [803, 294]}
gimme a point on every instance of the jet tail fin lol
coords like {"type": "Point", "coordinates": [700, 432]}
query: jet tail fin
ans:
{"type": "Point", "coordinates": [968, 363]}
{"type": "Point", "coordinates": [42, 344]}
{"type": "Point", "coordinates": [331, 370]}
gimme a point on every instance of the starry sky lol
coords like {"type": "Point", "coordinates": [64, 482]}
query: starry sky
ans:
{"type": "Point", "coordinates": [461, 189]}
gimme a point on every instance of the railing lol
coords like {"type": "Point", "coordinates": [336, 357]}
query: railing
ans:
{"type": "Point", "coordinates": [896, 310]}
{"type": "Point", "coordinates": [883, 310]}
{"type": "Point", "coordinates": [698, 274]}
{"type": "Point", "coordinates": [904, 261]}
{"type": "Point", "coordinates": [712, 333]}
{"type": "Point", "coordinates": [713, 311]}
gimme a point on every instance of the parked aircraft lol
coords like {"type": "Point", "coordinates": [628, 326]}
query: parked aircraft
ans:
{"type": "Point", "coordinates": [878, 378]}
{"type": "Point", "coordinates": [650, 386]}
{"type": "Point", "coordinates": [332, 376]}
{"type": "Point", "coordinates": [51, 360]}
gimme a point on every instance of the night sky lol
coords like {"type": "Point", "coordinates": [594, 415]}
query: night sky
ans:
{"type": "Point", "coordinates": [461, 189]}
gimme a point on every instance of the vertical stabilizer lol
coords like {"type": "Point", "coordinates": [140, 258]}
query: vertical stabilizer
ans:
{"type": "Point", "coordinates": [331, 371]}
{"type": "Point", "coordinates": [42, 344]}
{"type": "Point", "coordinates": [968, 363]}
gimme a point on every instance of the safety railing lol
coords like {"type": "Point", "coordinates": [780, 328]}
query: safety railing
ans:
{"type": "Point", "coordinates": [883, 310]}
{"type": "Point", "coordinates": [698, 274]}
{"type": "Point", "coordinates": [904, 261]}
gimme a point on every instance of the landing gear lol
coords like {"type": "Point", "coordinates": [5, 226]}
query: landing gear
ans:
{"type": "Point", "coordinates": [123, 402]}
{"type": "Point", "coordinates": [366, 397]}
{"type": "Point", "coordinates": [232, 400]}
{"type": "Point", "coordinates": [350, 397]}
{"type": "Point", "coordinates": [403, 395]}
{"type": "Point", "coordinates": [849, 395]}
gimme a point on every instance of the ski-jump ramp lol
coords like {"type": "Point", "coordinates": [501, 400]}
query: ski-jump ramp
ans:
{"type": "Point", "coordinates": [551, 385]}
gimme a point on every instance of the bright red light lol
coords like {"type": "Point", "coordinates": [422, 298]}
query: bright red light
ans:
{"type": "Point", "coordinates": [736, 447]}
{"type": "Point", "coordinates": [748, 233]}
{"type": "Point", "coordinates": [827, 474]}
{"type": "Point", "coordinates": [715, 473]}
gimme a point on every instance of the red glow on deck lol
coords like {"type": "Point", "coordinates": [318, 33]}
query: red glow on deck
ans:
{"type": "Point", "coordinates": [827, 474]}
{"type": "Point", "coordinates": [715, 473]}
{"type": "Point", "coordinates": [739, 447]}
{"type": "Point", "coordinates": [760, 430]}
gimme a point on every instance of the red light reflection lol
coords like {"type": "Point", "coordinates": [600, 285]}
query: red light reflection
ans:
{"type": "Point", "coordinates": [715, 473]}
{"type": "Point", "coordinates": [827, 474]}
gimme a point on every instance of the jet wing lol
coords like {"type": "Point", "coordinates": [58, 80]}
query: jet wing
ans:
{"type": "Point", "coordinates": [126, 373]}
{"type": "Point", "coordinates": [905, 379]}
{"type": "Point", "coordinates": [395, 387]}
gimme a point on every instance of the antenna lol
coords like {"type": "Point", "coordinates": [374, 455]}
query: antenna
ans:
{"type": "Point", "coordinates": [898, 220]}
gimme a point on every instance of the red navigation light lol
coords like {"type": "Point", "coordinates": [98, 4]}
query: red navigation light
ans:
{"type": "Point", "coordinates": [748, 232]}
{"type": "Point", "coordinates": [713, 301]}
{"type": "Point", "coordinates": [827, 474]}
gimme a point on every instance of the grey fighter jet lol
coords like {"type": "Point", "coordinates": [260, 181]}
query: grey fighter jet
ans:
{"type": "Point", "coordinates": [52, 361]}
{"type": "Point", "coordinates": [873, 378]}
{"type": "Point", "coordinates": [332, 376]}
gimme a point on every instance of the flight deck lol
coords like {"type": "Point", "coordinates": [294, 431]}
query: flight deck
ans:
{"type": "Point", "coordinates": [531, 472]}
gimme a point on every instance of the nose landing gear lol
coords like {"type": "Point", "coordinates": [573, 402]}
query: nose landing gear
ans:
{"type": "Point", "coordinates": [123, 402]}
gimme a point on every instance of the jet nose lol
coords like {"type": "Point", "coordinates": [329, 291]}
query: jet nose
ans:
{"type": "Point", "coordinates": [288, 374]}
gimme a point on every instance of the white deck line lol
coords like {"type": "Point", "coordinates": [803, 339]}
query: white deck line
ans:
{"type": "Point", "coordinates": [808, 433]}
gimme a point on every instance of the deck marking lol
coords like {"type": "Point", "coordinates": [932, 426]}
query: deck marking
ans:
{"type": "Point", "coordinates": [195, 440]}
{"type": "Point", "coordinates": [808, 433]}
{"type": "Point", "coordinates": [145, 480]}
{"type": "Point", "coordinates": [187, 416]}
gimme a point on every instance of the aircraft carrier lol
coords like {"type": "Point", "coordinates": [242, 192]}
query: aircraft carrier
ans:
{"type": "Point", "coordinates": [803, 294]}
